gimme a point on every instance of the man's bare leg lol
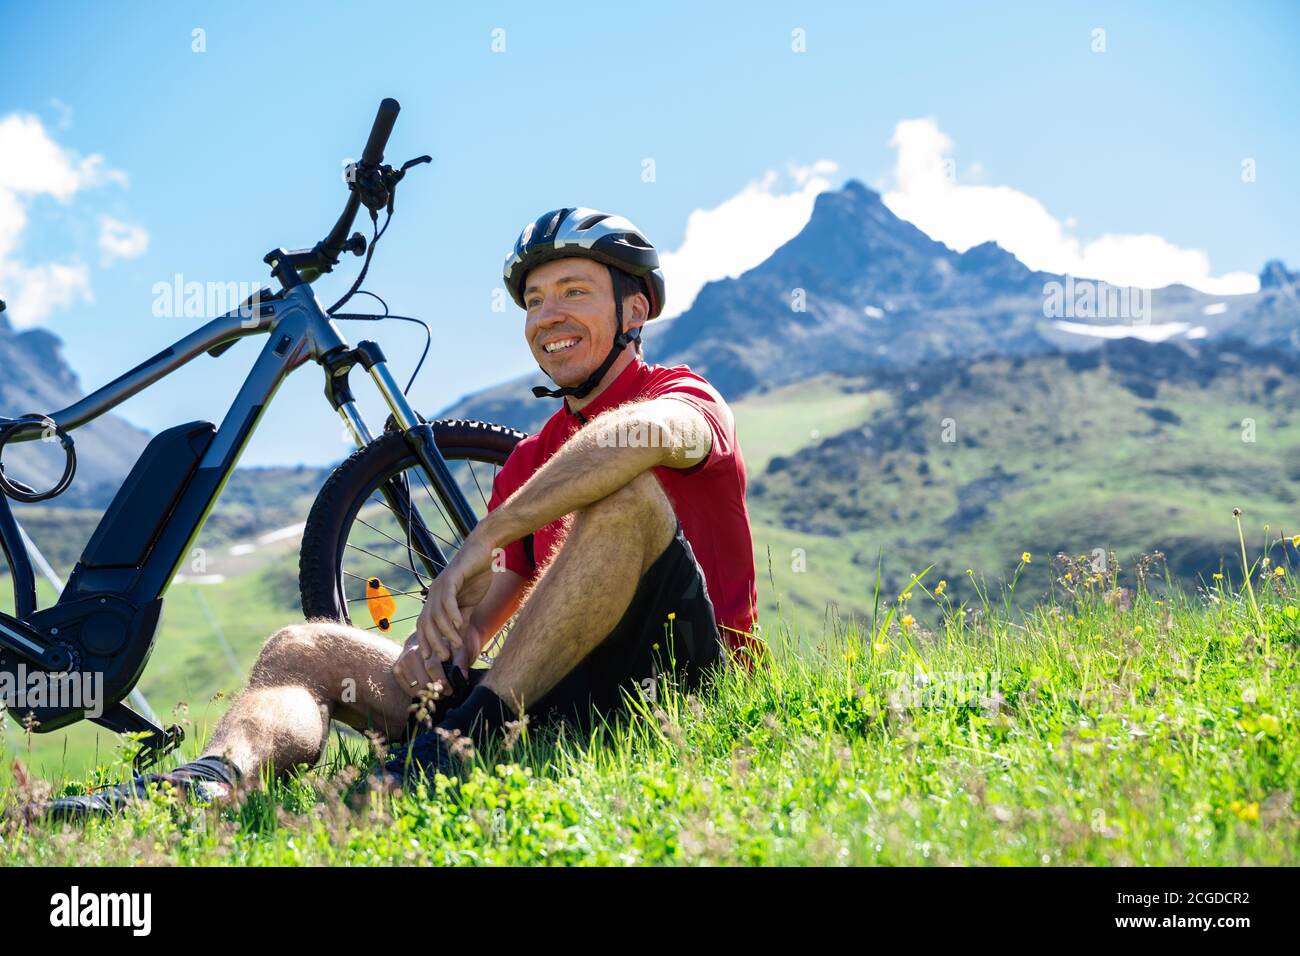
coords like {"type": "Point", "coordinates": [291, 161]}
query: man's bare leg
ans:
{"type": "Point", "coordinates": [308, 673]}
{"type": "Point", "coordinates": [584, 591]}
{"type": "Point", "coordinates": [305, 675]}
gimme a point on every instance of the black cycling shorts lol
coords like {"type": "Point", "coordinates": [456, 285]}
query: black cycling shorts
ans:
{"type": "Point", "coordinates": [669, 629]}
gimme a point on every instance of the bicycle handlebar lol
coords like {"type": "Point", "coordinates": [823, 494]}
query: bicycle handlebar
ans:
{"type": "Point", "coordinates": [373, 154]}
{"type": "Point", "coordinates": [371, 157]}
{"type": "Point", "coordinates": [327, 252]}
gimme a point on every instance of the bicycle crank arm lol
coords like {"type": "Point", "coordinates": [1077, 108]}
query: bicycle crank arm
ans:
{"type": "Point", "coordinates": [25, 643]}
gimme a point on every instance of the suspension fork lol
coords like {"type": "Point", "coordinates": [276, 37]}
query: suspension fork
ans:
{"type": "Point", "coordinates": [418, 435]}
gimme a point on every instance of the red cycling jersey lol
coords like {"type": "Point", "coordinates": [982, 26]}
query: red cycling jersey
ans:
{"type": "Point", "coordinates": [709, 497]}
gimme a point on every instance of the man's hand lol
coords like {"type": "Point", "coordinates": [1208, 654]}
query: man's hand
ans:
{"type": "Point", "coordinates": [444, 629]}
{"type": "Point", "coordinates": [415, 672]}
{"type": "Point", "coordinates": [415, 669]}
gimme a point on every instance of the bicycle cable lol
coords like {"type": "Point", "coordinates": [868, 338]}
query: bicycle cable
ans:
{"type": "Point", "coordinates": [362, 317]}
{"type": "Point", "coordinates": [383, 197]}
{"type": "Point", "coordinates": [20, 491]}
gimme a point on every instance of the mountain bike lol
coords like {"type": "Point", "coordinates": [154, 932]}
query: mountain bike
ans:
{"type": "Point", "coordinates": [385, 522]}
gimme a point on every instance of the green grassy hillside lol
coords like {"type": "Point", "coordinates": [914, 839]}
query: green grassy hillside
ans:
{"type": "Point", "coordinates": [1085, 733]}
{"type": "Point", "coordinates": [1130, 449]}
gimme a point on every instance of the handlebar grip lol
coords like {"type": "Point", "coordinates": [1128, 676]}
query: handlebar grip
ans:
{"type": "Point", "coordinates": [373, 154]}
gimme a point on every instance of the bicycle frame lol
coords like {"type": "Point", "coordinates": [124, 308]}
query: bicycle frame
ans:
{"type": "Point", "coordinates": [299, 330]}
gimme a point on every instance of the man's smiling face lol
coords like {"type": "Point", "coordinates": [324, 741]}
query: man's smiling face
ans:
{"type": "Point", "coordinates": [570, 324]}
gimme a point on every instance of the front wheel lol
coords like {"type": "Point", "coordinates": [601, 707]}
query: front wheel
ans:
{"type": "Point", "coordinates": [358, 564]}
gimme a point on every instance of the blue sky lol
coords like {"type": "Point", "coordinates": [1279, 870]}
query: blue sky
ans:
{"type": "Point", "coordinates": [198, 163]}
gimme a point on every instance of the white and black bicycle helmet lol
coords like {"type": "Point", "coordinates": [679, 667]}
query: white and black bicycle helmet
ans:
{"type": "Point", "coordinates": [588, 234]}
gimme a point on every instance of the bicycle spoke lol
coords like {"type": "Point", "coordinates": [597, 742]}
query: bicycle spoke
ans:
{"type": "Point", "coordinates": [391, 623]}
{"type": "Point", "coordinates": [367, 577]}
{"type": "Point", "coordinates": [473, 474]}
{"type": "Point", "coordinates": [400, 567]}
{"type": "Point", "coordinates": [437, 504]}
{"type": "Point", "coordinates": [399, 541]}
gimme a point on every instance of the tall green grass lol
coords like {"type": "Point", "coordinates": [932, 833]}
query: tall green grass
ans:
{"type": "Point", "coordinates": [1114, 727]}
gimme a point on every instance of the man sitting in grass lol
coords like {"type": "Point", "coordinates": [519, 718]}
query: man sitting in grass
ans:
{"type": "Point", "coordinates": [618, 532]}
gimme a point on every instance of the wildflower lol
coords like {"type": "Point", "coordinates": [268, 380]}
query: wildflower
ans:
{"type": "Point", "coordinates": [880, 647]}
{"type": "Point", "coordinates": [970, 572]}
{"type": "Point", "coordinates": [1267, 562]}
{"type": "Point", "coordinates": [672, 615]}
{"type": "Point", "coordinates": [1218, 576]}
{"type": "Point", "coordinates": [1024, 557]}
{"type": "Point", "coordinates": [1295, 541]}
{"type": "Point", "coordinates": [1137, 629]}
{"type": "Point", "coordinates": [1245, 811]}
{"type": "Point", "coordinates": [1279, 572]}
{"type": "Point", "coordinates": [905, 596]}
{"type": "Point", "coordinates": [908, 620]}
{"type": "Point", "coordinates": [1069, 575]}
{"type": "Point", "coordinates": [938, 588]}
{"type": "Point", "coordinates": [514, 730]}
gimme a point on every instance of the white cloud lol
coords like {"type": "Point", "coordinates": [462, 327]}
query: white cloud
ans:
{"type": "Point", "coordinates": [35, 165]}
{"type": "Point", "coordinates": [741, 232]}
{"type": "Point", "coordinates": [33, 292]}
{"type": "Point", "coordinates": [927, 195]}
{"type": "Point", "coordinates": [121, 240]}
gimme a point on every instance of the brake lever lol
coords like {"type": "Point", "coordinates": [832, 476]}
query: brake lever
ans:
{"type": "Point", "coordinates": [394, 176]}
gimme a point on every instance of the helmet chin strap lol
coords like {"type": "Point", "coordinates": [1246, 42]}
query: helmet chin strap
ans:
{"type": "Point", "coordinates": [621, 341]}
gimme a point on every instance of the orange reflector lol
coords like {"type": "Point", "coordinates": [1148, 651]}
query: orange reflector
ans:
{"type": "Point", "coordinates": [381, 604]}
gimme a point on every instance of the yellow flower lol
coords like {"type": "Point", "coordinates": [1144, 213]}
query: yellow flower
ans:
{"type": "Point", "coordinates": [1024, 556]}
{"type": "Point", "coordinates": [1069, 575]}
{"type": "Point", "coordinates": [1267, 562]}
{"type": "Point", "coordinates": [880, 647]}
{"type": "Point", "coordinates": [908, 620]}
{"type": "Point", "coordinates": [1244, 811]}
{"type": "Point", "coordinates": [672, 615]}
{"type": "Point", "coordinates": [1279, 572]}
{"type": "Point", "coordinates": [1295, 541]}
{"type": "Point", "coordinates": [1137, 629]}
{"type": "Point", "coordinates": [970, 572]}
{"type": "Point", "coordinates": [938, 588]}
{"type": "Point", "coordinates": [1218, 576]}
{"type": "Point", "coordinates": [905, 596]}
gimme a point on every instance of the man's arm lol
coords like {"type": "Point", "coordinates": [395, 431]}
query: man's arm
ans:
{"type": "Point", "coordinates": [599, 459]}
